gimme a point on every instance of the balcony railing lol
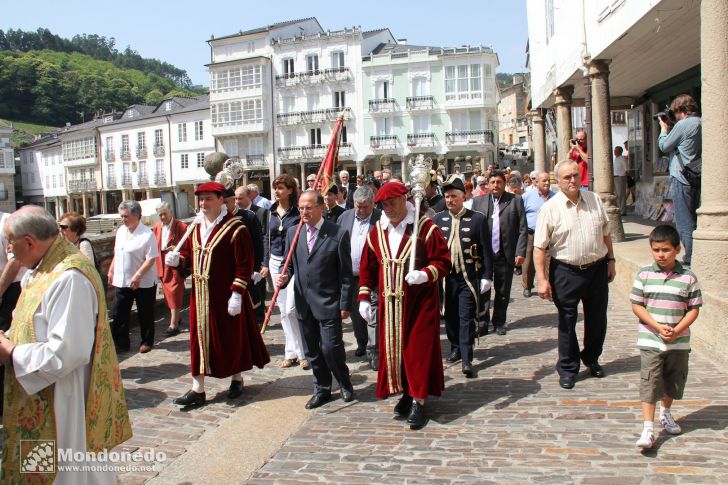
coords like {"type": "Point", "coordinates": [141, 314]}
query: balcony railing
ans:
{"type": "Point", "coordinates": [159, 151]}
{"type": "Point", "coordinates": [110, 156]}
{"type": "Point", "coordinates": [288, 118]}
{"type": "Point", "coordinates": [337, 74]}
{"type": "Point", "coordinates": [141, 152]}
{"type": "Point", "coordinates": [82, 185]}
{"type": "Point", "coordinates": [90, 185]}
{"type": "Point", "coordinates": [313, 151]}
{"type": "Point", "coordinates": [381, 105]}
{"type": "Point", "coordinates": [126, 180]}
{"type": "Point", "coordinates": [289, 153]}
{"type": "Point", "coordinates": [126, 156]}
{"type": "Point", "coordinates": [142, 179]}
{"type": "Point", "coordinates": [383, 142]}
{"type": "Point", "coordinates": [111, 182]}
{"type": "Point", "coordinates": [420, 140]}
{"type": "Point", "coordinates": [475, 137]}
{"type": "Point", "coordinates": [286, 80]}
{"type": "Point", "coordinates": [255, 161]}
{"type": "Point", "coordinates": [333, 113]}
{"type": "Point", "coordinates": [74, 185]}
{"type": "Point", "coordinates": [313, 116]}
{"type": "Point", "coordinates": [345, 149]}
{"type": "Point", "coordinates": [415, 103]}
{"type": "Point", "coordinates": [160, 178]}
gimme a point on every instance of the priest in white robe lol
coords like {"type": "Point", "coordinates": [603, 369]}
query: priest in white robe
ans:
{"type": "Point", "coordinates": [59, 361]}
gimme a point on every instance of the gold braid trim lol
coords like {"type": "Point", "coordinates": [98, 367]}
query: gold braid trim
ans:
{"type": "Point", "coordinates": [201, 273]}
{"type": "Point", "coordinates": [369, 241]}
{"type": "Point", "coordinates": [435, 273]}
{"type": "Point", "coordinates": [240, 282]}
{"type": "Point", "coordinates": [363, 290]}
{"type": "Point", "coordinates": [393, 271]}
{"type": "Point", "coordinates": [430, 231]}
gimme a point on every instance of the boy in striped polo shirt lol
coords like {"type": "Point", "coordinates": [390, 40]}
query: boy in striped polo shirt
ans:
{"type": "Point", "coordinates": [666, 298]}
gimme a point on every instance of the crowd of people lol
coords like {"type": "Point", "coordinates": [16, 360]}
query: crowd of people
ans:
{"type": "Point", "coordinates": [362, 254]}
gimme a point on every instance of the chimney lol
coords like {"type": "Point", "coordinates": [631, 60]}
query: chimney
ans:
{"type": "Point", "coordinates": [402, 41]}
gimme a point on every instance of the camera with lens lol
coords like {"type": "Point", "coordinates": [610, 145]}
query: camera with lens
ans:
{"type": "Point", "coordinates": [667, 116]}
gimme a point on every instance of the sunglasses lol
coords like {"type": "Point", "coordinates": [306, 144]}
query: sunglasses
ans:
{"type": "Point", "coordinates": [63, 226]}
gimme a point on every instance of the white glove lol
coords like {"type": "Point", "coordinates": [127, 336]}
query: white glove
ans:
{"type": "Point", "coordinates": [485, 285]}
{"type": "Point", "coordinates": [416, 277]}
{"type": "Point", "coordinates": [235, 304]}
{"type": "Point", "coordinates": [257, 277]}
{"type": "Point", "coordinates": [172, 259]}
{"type": "Point", "coordinates": [365, 310]}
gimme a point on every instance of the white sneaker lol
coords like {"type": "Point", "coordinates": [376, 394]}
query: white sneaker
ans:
{"type": "Point", "coordinates": [668, 422]}
{"type": "Point", "coordinates": [647, 439]}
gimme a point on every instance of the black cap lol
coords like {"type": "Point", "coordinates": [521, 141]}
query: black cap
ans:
{"type": "Point", "coordinates": [370, 180]}
{"type": "Point", "coordinates": [454, 182]}
{"type": "Point", "coordinates": [229, 192]}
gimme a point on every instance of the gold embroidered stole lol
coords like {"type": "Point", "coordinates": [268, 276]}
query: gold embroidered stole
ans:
{"type": "Point", "coordinates": [32, 417]}
{"type": "Point", "coordinates": [201, 261]}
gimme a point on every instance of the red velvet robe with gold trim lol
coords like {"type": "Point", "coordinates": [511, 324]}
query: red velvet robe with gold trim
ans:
{"type": "Point", "coordinates": [221, 345]}
{"type": "Point", "coordinates": [409, 316]}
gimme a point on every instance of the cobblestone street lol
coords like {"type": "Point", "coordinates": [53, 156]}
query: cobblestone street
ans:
{"type": "Point", "coordinates": [510, 424]}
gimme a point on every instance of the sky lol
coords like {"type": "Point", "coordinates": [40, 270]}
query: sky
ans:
{"type": "Point", "coordinates": [177, 31]}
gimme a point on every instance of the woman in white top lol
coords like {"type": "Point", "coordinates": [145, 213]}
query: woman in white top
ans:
{"type": "Point", "coordinates": [134, 275]}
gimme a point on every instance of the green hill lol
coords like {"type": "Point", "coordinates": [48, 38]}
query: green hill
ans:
{"type": "Point", "coordinates": [47, 80]}
{"type": "Point", "coordinates": [25, 132]}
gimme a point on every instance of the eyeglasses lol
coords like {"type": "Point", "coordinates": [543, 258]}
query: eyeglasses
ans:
{"type": "Point", "coordinates": [63, 226]}
{"type": "Point", "coordinates": [303, 208]}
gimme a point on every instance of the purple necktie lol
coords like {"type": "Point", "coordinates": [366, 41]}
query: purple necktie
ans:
{"type": "Point", "coordinates": [311, 238]}
{"type": "Point", "coordinates": [495, 240]}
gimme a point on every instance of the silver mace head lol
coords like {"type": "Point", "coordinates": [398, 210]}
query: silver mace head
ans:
{"type": "Point", "coordinates": [419, 174]}
{"type": "Point", "coordinates": [231, 171]}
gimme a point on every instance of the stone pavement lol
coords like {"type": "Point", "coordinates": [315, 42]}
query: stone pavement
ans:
{"type": "Point", "coordinates": [510, 424]}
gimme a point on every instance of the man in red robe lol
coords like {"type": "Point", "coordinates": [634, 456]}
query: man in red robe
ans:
{"type": "Point", "coordinates": [224, 338]}
{"type": "Point", "coordinates": [410, 360]}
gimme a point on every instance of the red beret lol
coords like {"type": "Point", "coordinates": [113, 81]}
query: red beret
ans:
{"type": "Point", "coordinates": [390, 190]}
{"type": "Point", "coordinates": [211, 187]}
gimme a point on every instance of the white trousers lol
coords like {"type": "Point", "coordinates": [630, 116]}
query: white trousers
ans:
{"type": "Point", "coordinates": [287, 306]}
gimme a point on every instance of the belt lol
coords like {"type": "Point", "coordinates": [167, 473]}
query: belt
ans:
{"type": "Point", "coordinates": [581, 267]}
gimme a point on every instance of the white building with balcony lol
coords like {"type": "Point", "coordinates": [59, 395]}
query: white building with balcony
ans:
{"type": "Point", "coordinates": [80, 150]}
{"type": "Point", "coordinates": [440, 102]}
{"type": "Point", "coordinates": [156, 152]}
{"type": "Point", "coordinates": [7, 169]}
{"type": "Point", "coordinates": [43, 175]}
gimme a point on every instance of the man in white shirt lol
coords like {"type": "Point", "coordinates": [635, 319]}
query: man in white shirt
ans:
{"type": "Point", "coordinates": [620, 167]}
{"type": "Point", "coordinates": [133, 273]}
{"type": "Point", "coordinates": [259, 200]}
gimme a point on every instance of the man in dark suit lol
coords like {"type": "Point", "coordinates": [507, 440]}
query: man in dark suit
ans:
{"type": "Point", "coordinates": [350, 187]}
{"type": "Point", "coordinates": [243, 200]}
{"type": "Point", "coordinates": [359, 221]}
{"type": "Point", "coordinates": [322, 289]}
{"type": "Point", "coordinates": [333, 210]}
{"type": "Point", "coordinates": [256, 235]}
{"type": "Point", "coordinates": [506, 219]}
{"type": "Point", "coordinates": [471, 274]}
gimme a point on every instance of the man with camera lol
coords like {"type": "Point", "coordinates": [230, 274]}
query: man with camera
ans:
{"type": "Point", "coordinates": [579, 153]}
{"type": "Point", "coordinates": [681, 135]}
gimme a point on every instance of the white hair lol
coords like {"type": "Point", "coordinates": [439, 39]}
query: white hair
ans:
{"type": "Point", "coordinates": [561, 164]}
{"type": "Point", "coordinates": [32, 220]}
{"type": "Point", "coordinates": [132, 206]}
{"type": "Point", "coordinates": [253, 188]}
{"type": "Point", "coordinates": [363, 193]}
{"type": "Point", "coordinates": [164, 206]}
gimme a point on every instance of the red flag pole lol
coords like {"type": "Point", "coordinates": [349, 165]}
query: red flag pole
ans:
{"type": "Point", "coordinates": [330, 158]}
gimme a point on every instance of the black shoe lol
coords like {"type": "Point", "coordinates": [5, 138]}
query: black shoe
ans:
{"type": "Point", "coordinates": [236, 389]}
{"type": "Point", "coordinates": [468, 369]}
{"type": "Point", "coordinates": [347, 394]}
{"type": "Point", "coordinates": [527, 293]}
{"type": "Point", "coordinates": [360, 351]}
{"type": "Point", "coordinates": [416, 418]}
{"type": "Point", "coordinates": [318, 400]}
{"type": "Point", "coordinates": [402, 408]}
{"type": "Point", "coordinates": [500, 330]}
{"type": "Point", "coordinates": [374, 361]}
{"type": "Point", "coordinates": [482, 330]}
{"type": "Point", "coordinates": [567, 382]}
{"type": "Point", "coordinates": [518, 270]}
{"type": "Point", "coordinates": [595, 369]}
{"type": "Point", "coordinates": [171, 331]}
{"type": "Point", "coordinates": [191, 398]}
{"type": "Point", "coordinates": [453, 357]}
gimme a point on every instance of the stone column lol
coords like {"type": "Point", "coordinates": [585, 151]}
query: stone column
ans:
{"type": "Point", "coordinates": [539, 141]}
{"type": "Point", "coordinates": [563, 120]}
{"type": "Point", "coordinates": [104, 208]}
{"type": "Point", "coordinates": [149, 194]}
{"type": "Point", "coordinates": [710, 241]}
{"type": "Point", "coordinates": [85, 204]}
{"type": "Point", "coordinates": [601, 145]}
{"type": "Point", "coordinates": [303, 176]}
